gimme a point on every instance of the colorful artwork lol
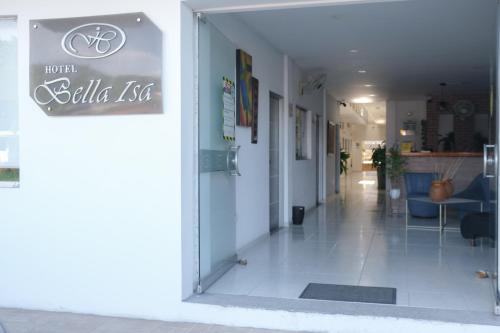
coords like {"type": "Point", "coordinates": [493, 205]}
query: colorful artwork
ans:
{"type": "Point", "coordinates": [255, 109]}
{"type": "Point", "coordinates": [244, 98]}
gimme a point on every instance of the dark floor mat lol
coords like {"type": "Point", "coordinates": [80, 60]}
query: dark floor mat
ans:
{"type": "Point", "coordinates": [345, 293]}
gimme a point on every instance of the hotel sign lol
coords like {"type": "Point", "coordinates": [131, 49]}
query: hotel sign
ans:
{"type": "Point", "coordinates": [101, 65]}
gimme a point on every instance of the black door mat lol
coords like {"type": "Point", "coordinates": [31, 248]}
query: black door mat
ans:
{"type": "Point", "coordinates": [346, 293]}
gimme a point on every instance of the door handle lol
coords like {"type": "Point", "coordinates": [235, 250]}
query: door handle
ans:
{"type": "Point", "coordinates": [232, 161]}
{"type": "Point", "coordinates": [489, 161]}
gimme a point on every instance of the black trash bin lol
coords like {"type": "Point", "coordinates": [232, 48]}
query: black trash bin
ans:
{"type": "Point", "coordinates": [298, 214]}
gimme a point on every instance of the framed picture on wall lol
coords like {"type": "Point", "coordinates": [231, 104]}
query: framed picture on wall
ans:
{"type": "Point", "coordinates": [255, 109]}
{"type": "Point", "coordinates": [244, 96]}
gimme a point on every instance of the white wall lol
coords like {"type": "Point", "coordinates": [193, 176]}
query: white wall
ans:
{"type": "Point", "coordinates": [304, 171]}
{"type": "Point", "coordinates": [252, 188]}
{"type": "Point", "coordinates": [95, 226]}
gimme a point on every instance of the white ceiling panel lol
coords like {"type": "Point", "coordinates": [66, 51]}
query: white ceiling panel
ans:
{"type": "Point", "coordinates": [406, 48]}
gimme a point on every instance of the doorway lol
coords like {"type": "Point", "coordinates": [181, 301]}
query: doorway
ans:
{"type": "Point", "coordinates": [341, 243]}
{"type": "Point", "coordinates": [274, 161]}
{"type": "Point", "coordinates": [319, 159]}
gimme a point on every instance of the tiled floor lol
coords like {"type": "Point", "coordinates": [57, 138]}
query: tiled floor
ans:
{"type": "Point", "coordinates": [353, 240]}
{"type": "Point", "coordinates": [24, 321]}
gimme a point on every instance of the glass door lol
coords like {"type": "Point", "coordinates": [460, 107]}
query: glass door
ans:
{"type": "Point", "coordinates": [217, 155]}
{"type": "Point", "coordinates": [493, 160]}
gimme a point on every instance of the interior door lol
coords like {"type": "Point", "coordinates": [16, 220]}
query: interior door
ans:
{"type": "Point", "coordinates": [217, 156]}
{"type": "Point", "coordinates": [317, 124]}
{"type": "Point", "coordinates": [274, 163]}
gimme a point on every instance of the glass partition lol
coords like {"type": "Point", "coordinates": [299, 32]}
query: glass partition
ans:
{"type": "Point", "coordinates": [9, 127]}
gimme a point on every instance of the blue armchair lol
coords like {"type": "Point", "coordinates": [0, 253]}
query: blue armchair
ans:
{"type": "Point", "coordinates": [417, 185]}
{"type": "Point", "coordinates": [478, 189]}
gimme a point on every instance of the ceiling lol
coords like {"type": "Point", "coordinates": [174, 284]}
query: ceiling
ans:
{"type": "Point", "coordinates": [376, 112]}
{"type": "Point", "coordinates": [232, 5]}
{"type": "Point", "coordinates": [372, 114]}
{"type": "Point", "coordinates": [406, 48]}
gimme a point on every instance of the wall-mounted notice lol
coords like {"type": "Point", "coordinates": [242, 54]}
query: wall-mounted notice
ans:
{"type": "Point", "coordinates": [228, 98]}
{"type": "Point", "coordinates": [101, 65]}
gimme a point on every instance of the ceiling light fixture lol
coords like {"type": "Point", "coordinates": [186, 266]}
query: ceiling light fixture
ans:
{"type": "Point", "coordinates": [362, 100]}
{"type": "Point", "coordinates": [368, 85]}
{"type": "Point", "coordinates": [361, 71]}
{"type": "Point", "coordinates": [372, 95]}
{"type": "Point", "coordinates": [353, 51]}
{"type": "Point", "coordinates": [7, 133]}
{"type": "Point", "coordinates": [380, 121]}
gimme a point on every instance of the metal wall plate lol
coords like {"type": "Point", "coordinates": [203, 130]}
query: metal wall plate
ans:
{"type": "Point", "coordinates": [213, 160]}
{"type": "Point", "coordinates": [99, 65]}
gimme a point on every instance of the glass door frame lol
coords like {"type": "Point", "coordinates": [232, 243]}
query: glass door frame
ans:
{"type": "Point", "coordinates": [201, 283]}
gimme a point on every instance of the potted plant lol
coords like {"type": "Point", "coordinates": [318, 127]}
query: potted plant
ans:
{"type": "Point", "coordinates": [344, 156]}
{"type": "Point", "coordinates": [378, 162]}
{"type": "Point", "coordinates": [396, 166]}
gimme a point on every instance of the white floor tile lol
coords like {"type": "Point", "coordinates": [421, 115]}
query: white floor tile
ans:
{"type": "Point", "coordinates": [436, 300]}
{"type": "Point", "coordinates": [352, 240]}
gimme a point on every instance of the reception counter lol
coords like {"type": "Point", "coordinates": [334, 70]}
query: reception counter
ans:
{"type": "Point", "coordinates": [472, 165]}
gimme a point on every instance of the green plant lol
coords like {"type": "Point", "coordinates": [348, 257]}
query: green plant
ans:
{"type": "Point", "coordinates": [378, 162]}
{"type": "Point", "coordinates": [344, 156]}
{"type": "Point", "coordinates": [9, 175]}
{"type": "Point", "coordinates": [396, 165]}
{"type": "Point", "coordinates": [378, 157]}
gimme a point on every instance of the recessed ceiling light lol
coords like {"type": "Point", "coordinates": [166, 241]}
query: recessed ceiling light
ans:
{"type": "Point", "coordinates": [372, 95]}
{"type": "Point", "coordinates": [362, 100]}
{"type": "Point", "coordinates": [353, 51]}
{"type": "Point", "coordinates": [368, 85]}
{"type": "Point", "coordinates": [361, 71]}
{"type": "Point", "coordinates": [7, 133]}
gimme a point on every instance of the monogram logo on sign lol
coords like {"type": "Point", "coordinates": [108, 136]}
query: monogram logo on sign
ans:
{"type": "Point", "coordinates": [93, 40]}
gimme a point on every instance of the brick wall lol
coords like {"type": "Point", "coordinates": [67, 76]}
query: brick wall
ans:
{"type": "Point", "coordinates": [432, 126]}
{"type": "Point", "coordinates": [463, 127]}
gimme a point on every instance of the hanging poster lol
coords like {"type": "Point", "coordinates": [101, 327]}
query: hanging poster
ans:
{"type": "Point", "coordinates": [229, 109]}
{"type": "Point", "coordinates": [244, 92]}
{"type": "Point", "coordinates": [255, 109]}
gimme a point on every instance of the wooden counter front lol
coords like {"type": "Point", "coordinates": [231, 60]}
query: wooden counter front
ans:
{"type": "Point", "coordinates": [443, 154]}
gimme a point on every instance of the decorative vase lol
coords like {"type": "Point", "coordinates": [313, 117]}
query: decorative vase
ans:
{"type": "Point", "coordinates": [395, 193]}
{"type": "Point", "coordinates": [437, 192]}
{"type": "Point", "coordinates": [448, 185]}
